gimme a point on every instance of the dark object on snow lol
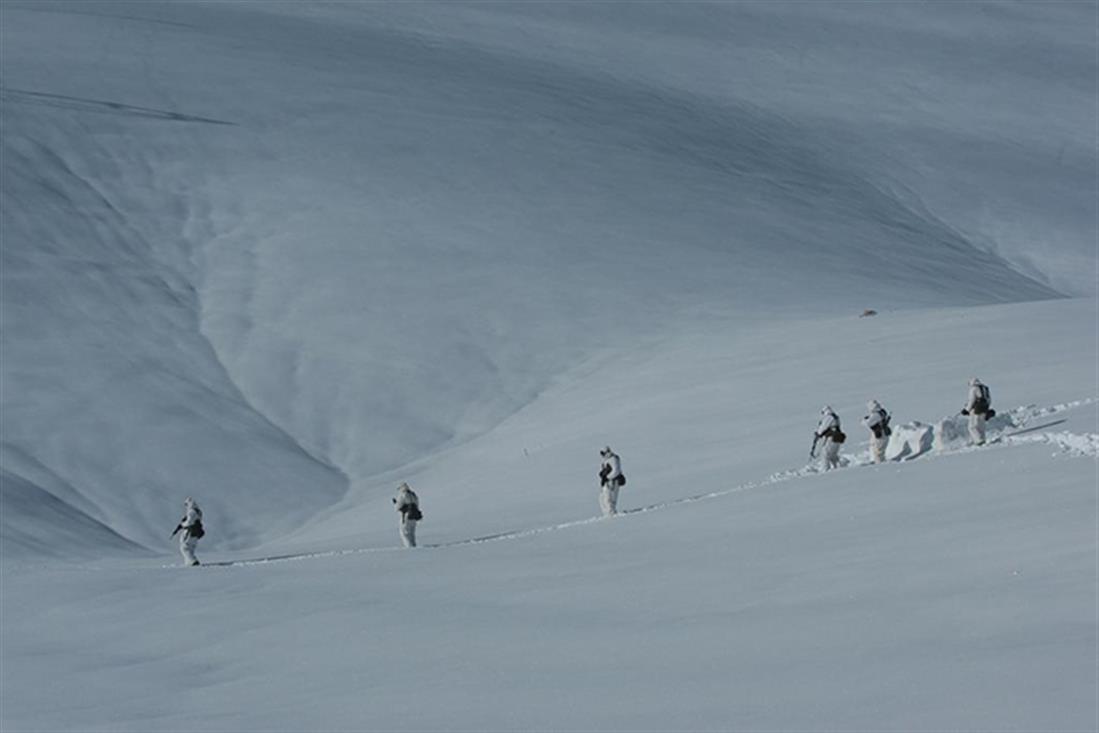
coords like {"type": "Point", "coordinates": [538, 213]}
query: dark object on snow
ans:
{"type": "Point", "coordinates": [983, 404]}
{"type": "Point", "coordinates": [606, 471]}
{"type": "Point", "coordinates": [868, 312]}
{"type": "Point", "coordinates": [881, 429]}
{"type": "Point", "coordinates": [195, 530]}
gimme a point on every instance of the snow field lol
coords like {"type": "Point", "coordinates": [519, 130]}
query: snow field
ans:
{"type": "Point", "coordinates": [954, 589]}
{"type": "Point", "coordinates": [283, 256]}
{"type": "Point", "coordinates": [331, 240]}
{"type": "Point", "coordinates": [959, 582]}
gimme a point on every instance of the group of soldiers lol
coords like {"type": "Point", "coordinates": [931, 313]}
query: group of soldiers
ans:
{"type": "Point", "coordinates": [978, 408]}
{"type": "Point", "coordinates": [190, 528]}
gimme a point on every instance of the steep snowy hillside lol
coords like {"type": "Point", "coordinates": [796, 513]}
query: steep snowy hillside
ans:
{"type": "Point", "coordinates": [722, 403]}
{"type": "Point", "coordinates": [265, 251]}
{"type": "Point", "coordinates": [739, 590]}
{"type": "Point", "coordinates": [283, 256]}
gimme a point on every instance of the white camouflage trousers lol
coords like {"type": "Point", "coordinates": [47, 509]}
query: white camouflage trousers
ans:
{"type": "Point", "coordinates": [976, 428]}
{"type": "Point", "coordinates": [877, 448]}
{"type": "Point", "coordinates": [408, 532]}
{"type": "Point", "coordinates": [830, 454]}
{"type": "Point", "coordinates": [608, 498]}
{"type": "Point", "coordinates": [187, 545]}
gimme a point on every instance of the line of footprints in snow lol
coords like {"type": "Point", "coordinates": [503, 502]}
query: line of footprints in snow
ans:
{"type": "Point", "coordinates": [908, 442]}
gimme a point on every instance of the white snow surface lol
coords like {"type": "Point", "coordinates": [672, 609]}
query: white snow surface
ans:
{"type": "Point", "coordinates": [283, 256]}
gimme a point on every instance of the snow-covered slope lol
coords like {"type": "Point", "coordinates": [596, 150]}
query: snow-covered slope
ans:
{"type": "Point", "coordinates": [370, 231]}
{"type": "Point", "coordinates": [282, 256]}
{"type": "Point", "coordinates": [739, 589]}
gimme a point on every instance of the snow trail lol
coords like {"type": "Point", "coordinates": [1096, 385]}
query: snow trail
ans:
{"type": "Point", "coordinates": [1072, 444]}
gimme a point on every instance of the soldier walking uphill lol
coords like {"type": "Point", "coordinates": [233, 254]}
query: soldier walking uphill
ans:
{"type": "Point", "coordinates": [192, 531]}
{"type": "Point", "coordinates": [408, 504]}
{"type": "Point", "coordinates": [978, 406]}
{"type": "Point", "coordinates": [877, 421]}
{"type": "Point", "coordinates": [611, 479]}
{"type": "Point", "coordinates": [828, 430]}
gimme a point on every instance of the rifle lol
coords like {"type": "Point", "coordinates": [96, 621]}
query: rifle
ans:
{"type": "Point", "coordinates": [813, 450]}
{"type": "Point", "coordinates": [178, 527]}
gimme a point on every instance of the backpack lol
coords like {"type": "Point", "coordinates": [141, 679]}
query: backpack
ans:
{"type": "Point", "coordinates": [621, 479]}
{"type": "Point", "coordinates": [196, 530]}
{"type": "Point", "coordinates": [414, 513]}
{"type": "Point", "coordinates": [982, 404]}
{"type": "Point", "coordinates": [881, 428]}
{"type": "Point", "coordinates": [838, 436]}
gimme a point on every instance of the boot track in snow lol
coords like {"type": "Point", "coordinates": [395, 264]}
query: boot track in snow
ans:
{"type": "Point", "coordinates": [1086, 445]}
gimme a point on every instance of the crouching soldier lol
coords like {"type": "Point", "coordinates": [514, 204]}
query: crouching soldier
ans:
{"type": "Point", "coordinates": [878, 424]}
{"type": "Point", "coordinates": [978, 406]}
{"type": "Point", "coordinates": [192, 531]}
{"type": "Point", "coordinates": [611, 480]}
{"type": "Point", "coordinates": [828, 430]}
{"type": "Point", "coordinates": [408, 504]}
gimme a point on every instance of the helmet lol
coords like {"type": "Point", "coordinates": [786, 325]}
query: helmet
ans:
{"type": "Point", "coordinates": [873, 405]}
{"type": "Point", "coordinates": [826, 409]}
{"type": "Point", "coordinates": [606, 451]}
{"type": "Point", "coordinates": [188, 501]}
{"type": "Point", "coordinates": [973, 381]}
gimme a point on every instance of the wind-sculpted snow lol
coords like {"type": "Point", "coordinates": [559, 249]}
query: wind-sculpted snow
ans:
{"type": "Point", "coordinates": [114, 406]}
{"type": "Point", "coordinates": [284, 256]}
{"type": "Point", "coordinates": [36, 523]}
{"type": "Point", "coordinates": [250, 249]}
{"type": "Point", "coordinates": [400, 230]}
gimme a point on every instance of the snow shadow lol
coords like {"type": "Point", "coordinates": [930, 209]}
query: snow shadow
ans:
{"type": "Point", "coordinates": [101, 106]}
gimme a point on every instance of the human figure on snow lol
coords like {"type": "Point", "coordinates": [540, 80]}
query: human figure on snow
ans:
{"type": "Point", "coordinates": [978, 406]}
{"type": "Point", "coordinates": [828, 430]}
{"type": "Point", "coordinates": [877, 422]}
{"type": "Point", "coordinates": [408, 504]}
{"type": "Point", "coordinates": [191, 528]}
{"type": "Point", "coordinates": [611, 480]}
